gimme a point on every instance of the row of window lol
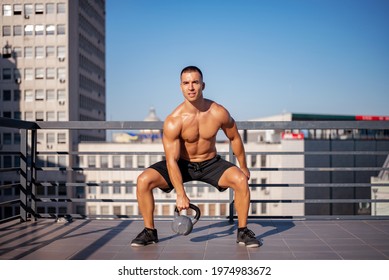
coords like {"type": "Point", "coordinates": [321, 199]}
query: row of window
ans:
{"type": "Point", "coordinates": [36, 116]}
{"type": "Point", "coordinates": [31, 95]}
{"type": "Point", "coordinates": [45, 116]}
{"type": "Point", "coordinates": [39, 52]}
{"type": "Point", "coordinates": [30, 9]}
{"type": "Point", "coordinates": [30, 74]}
{"type": "Point", "coordinates": [37, 30]}
{"type": "Point", "coordinates": [8, 138]}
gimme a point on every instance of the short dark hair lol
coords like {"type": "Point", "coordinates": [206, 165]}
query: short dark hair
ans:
{"type": "Point", "coordinates": [191, 69]}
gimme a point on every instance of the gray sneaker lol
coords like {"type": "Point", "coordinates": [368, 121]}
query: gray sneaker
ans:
{"type": "Point", "coordinates": [145, 237]}
{"type": "Point", "coordinates": [247, 237]}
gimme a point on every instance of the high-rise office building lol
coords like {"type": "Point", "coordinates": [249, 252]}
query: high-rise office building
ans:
{"type": "Point", "coordinates": [52, 68]}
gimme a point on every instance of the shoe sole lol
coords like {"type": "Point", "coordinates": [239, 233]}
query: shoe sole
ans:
{"type": "Point", "coordinates": [250, 245]}
{"type": "Point", "coordinates": [142, 245]}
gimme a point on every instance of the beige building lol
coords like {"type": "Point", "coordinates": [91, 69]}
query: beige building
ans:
{"type": "Point", "coordinates": [52, 68]}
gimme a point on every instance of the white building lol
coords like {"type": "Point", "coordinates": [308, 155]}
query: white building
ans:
{"type": "Point", "coordinates": [52, 68]}
{"type": "Point", "coordinates": [119, 182]}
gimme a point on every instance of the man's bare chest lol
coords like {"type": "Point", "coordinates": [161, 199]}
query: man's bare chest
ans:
{"type": "Point", "coordinates": [196, 129]}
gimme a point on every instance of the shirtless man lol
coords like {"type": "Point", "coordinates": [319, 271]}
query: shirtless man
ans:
{"type": "Point", "coordinates": [189, 137]}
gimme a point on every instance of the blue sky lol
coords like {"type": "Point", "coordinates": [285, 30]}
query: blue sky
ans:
{"type": "Point", "coordinates": [259, 57]}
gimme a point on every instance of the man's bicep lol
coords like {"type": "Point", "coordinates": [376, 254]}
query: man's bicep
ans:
{"type": "Point", "coordinates": [171, 142]}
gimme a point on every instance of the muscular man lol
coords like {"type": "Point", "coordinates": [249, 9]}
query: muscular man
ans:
{"type": "Point", "coordinates": [189, 137]}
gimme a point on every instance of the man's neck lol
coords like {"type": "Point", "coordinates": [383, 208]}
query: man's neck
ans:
{"type": "Point", "coordinates": [200, 105]}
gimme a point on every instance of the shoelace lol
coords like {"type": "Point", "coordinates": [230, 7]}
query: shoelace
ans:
{"type": "Point", "coordinates": [249, 232]}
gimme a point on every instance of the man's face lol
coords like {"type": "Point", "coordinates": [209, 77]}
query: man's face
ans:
{"type": "Point", "coordinates": [192, 86]}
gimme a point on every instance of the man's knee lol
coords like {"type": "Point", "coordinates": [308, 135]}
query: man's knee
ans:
{"type": "Point", "coordinates": [148, 180]}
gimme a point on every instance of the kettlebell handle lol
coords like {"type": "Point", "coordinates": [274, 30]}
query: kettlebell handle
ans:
{"type": "Point", "coordinates": [195, 208]}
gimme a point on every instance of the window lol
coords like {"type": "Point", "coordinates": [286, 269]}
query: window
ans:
{"type": "Point", "coordinates": [253, 160]}
{"type": "Point", "coordinates": [141, 161]}
{"type": "Point", "coordinates": [129, 188]}
{"type": "Point", "coordinates": [17, 139]}
{"type": "Point", "coordinates": [61, 8]}
{"type": "Point", "coordinates": [103, 161]}
{"type": "Point", "coordinates": [104, 187]}
{"type": "Point", "coordinates": [50, 29]}
{"type": "Point", "coordinates": [6, 30]}
{"type": "Point", "coordinates": [7, 10]}
{"type": "Point", "coordinates": [50, 95]}
{"type": "Point", "coordinates": [29, 29]}
{"type": "Point", "coordinates": [28, 52]}
{"type": "Point", "coordinates": [92, 210]}
{"type": "Point", "coordinates": [39, 29]}
{"type": "Point", "coordinates": [50, 138]}
{"type": "Point", "coordinates": [39, 73]}
{"type": "Point", "coordinates": [28, 74]}
{"type": "Point", "coordinates": [28, 9]}
{"type": "Point", "coordinates": [128, 161]}
{"type": "Point", "coordinates": [40, 138]}
{"type": "Point", "coordinates": [7, 74]}
{"type": "Point", "coordinates": [39, 116]}
{"type": "Point", "coordinates": [50, 73]}
{"type": "Point", "coordinates": [6, 95]}
{"type": "Point", "coordinates": [18, 30]}
{"type": "Point", "coordinates": [62, 161]}
{"type": "Point", "coordinates": [28, 116]}
{"type": "Point", "coordinates": [51, 163]}
{"type": "Point", "coordinates": [117, 210]}
{"type": "Point", "coordinates": [116, 161]}
{"type": "Point", "coordinates": [7, 114]}
{"type": "Point", "coordinates": [8, 164]}
{"type": "Point", "coordinates": [91, 161]}
{"type": "Point", "coordinates": [62, 116]}
{"type": "Point", "coordinates": [17, 52]}
{"type": "Point", "coordinates": [17, 75]}
{"type": "Point", "coordinates": [50, 8]}
{"type": "Point", "coordinates": [92, 187]}
{"type": "Point", "coordinates": [28, 95]}
{"type": "Point", "coordinates": [116, 187]}
{"type": "Point", "coordinates": [39, 9]}
{"type": "Point", "coordinates": [263, 160]}
{"type": "Point", "coordinates": [50, 51]}
{"type": "Point", "coordinates": [18, 9]}
{"type": "Point", "coordinates": [61, 95]}
{"type": "Point", "coordinates": [61, 138]}
{"type": "Point", "coordinates": [39, 52]}
{"type": "Point", "coordinates": [17, 95]}
{"type": "Point", "coordinates": [50, 116]}
{"type": "Point", "coordinates": [39, 94]}
{"type": "Point", "coordinates": [104, 210]}
{"type": "Point", "coordinates": [60, 29]}
{"type": "Point", "coordinates": [61, 52]}
{"type": "Point", "coordinates": [61, 74]}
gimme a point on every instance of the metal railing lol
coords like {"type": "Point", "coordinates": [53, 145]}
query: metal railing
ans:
{"type": "Point", "coordinates": [27, 188]}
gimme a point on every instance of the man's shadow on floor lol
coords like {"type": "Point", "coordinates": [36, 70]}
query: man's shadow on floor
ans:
{"type": "Point", "coordinates": [272, 227]}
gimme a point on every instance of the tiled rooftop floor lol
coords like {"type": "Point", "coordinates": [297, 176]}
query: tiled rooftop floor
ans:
{"type": "Point", "coordinates": [110, 240]}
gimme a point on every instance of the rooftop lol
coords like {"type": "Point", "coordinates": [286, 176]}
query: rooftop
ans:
{"type": "Point", "coordinates": [210, 240]}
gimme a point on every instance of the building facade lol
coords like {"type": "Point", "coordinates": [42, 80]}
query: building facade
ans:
{"type": "Point", "coordinates": [52, 68]}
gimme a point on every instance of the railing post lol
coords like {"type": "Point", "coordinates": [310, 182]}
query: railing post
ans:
{"type": "Point", "coordinates": [33, 172]}
{"type": "Point", "coordinates": [23, 175]}
{"type": "Point", "coordinates": [231, 192]}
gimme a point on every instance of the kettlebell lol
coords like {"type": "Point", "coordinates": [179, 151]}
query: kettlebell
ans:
{"type": "Point", "coordinates": [182, 224]}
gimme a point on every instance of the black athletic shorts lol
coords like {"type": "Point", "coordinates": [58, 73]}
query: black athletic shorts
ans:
{"type": "Point", "coordinates": [208, 171]}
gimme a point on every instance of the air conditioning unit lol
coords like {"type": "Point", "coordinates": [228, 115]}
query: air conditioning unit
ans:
{"type": "Point", "coordinates": [61, 102]}
{"type": "Point", "coordinates": [62, 59]}
{"type": "Point", "coordinates": [18, 80]}
{"type": "Point", "coordinates": [26, 16]}
{"type": "Point", "coordinates": [62, 81]}
{"type": "Point", "coordinates": [49, 147]}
